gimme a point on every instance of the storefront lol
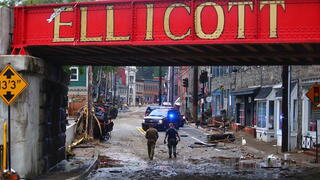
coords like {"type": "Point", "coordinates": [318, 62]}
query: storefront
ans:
{"type": "Point", "coordinates": [309, 116]}
{"type": "Point", "coordinates": [217, 102]}
{"type": "Point", "coordinates": [266, 108]}
{"type": "Point", "coordinates": [293, 115]}
{"type": "Point", "coordinates": [245, 107]}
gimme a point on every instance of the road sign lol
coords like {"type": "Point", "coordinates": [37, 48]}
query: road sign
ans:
{"type": "Point", "coordinates": [314, 95]}
{"type": "Point", "coordinates": [11, 84]}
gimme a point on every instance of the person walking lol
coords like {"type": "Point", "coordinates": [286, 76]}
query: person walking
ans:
{"type": "Point", "coordinates": [152, 137]}
{"type": "Point", "coordinates": [173, 137]}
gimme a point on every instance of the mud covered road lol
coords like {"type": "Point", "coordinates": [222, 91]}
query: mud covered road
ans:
{"type": "Point", "coordinates": [125, 157]}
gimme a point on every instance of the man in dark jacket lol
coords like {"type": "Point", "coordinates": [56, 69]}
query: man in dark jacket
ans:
{"type": "Point", "coordinates": [152, 137]}
{"type": "Point", "coordinates": [173, 138]}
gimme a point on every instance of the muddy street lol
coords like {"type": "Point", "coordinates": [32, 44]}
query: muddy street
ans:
{"type": "Point", "coordinates": [125, 156]}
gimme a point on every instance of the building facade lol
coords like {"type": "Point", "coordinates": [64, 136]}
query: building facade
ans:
{"type": "Point", "coordinates": [131, 84]}
{"type": "Point", "coordinates": [78, 89]}
{"type": "Point", "coordinates": [122, 89]}
{"type": "Point", "coordinates": [151, 91]}
{"type": "Point", "coordinates": [252, 96]}
{"type": "Point", "coordinates": [140, 99]}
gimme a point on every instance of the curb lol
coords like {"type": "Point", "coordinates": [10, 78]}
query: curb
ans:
{"type": "Point", "coordinates": [85, 173]}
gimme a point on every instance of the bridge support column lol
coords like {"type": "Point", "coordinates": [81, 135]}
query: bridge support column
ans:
{"type": "Point", "coordinates": [37, 116]}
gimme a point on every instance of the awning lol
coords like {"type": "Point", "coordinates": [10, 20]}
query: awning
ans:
{"type": "Point", "coordinates": [279, 91]}
{"type": "Point", "coordinates": [244, 92]}
{"type": "Point", "coordinates": [263, 93]}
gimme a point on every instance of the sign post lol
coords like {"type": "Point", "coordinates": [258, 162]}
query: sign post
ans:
{"type": "Point", "coordinates": [314, 95]}
{"type": "Point", "coordinates": [11, 86]}
{"type": "Point", "coordinates": [317, 140]}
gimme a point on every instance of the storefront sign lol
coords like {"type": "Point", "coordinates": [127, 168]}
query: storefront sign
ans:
{"type": "Point", "coordinates": [314, 95]}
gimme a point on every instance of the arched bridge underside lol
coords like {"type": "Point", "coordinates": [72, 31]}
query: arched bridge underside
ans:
{"type": "Point", "coordinates": [186, 32]}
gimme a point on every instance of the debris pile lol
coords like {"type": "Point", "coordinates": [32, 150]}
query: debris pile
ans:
{"type": "Point", "coordinates": [221, 137]}
{"type": "Point", "coordinates": [102, 116]}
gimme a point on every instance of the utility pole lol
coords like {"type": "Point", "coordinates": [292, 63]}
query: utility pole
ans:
{"type": "Point", "coordinates": [203, 80]}
{"type": "Point", "coordinates": [114, 87]}
{"type": "Point", "coordinates": [185, 83]}
{"type": "Point", "coordinates": [285, 132]}
{"type": "Point", "coordinates": [90, 120]}
{"type": "Point", "coordinates": [160, 84]}
{"type": "Point", "coordinates": [195, 94]}
{"type": "Point", "coordinates": [202, 101]}
{"type": "Point", "coordinates": [172, 85]}
{"type": "Point", "coordinates": [289, 108]}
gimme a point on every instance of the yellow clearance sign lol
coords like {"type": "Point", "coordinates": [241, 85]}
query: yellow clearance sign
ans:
{"type": "Point", "coordinates": [11, 84]}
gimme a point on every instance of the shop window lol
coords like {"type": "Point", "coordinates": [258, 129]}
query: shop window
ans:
{"type": "Point", "coordinates": [271, 114]}
{"type": "Point", "coordinates": [262, 113]}
{"type": "Point", "coordinates": [176, 90]}
{"type": "Point", "coordinates": [314, 115]}
{"type": "Point", "coordinates": [280, 115]}
{"type": "Point", "coordinates": [217, 105]}
{"type": "Point", "coordinates": [131, 79]}
{"type": "Point", "coordinates": [241, 113]}
{"type": "Point", "coordinates": [74, 74]}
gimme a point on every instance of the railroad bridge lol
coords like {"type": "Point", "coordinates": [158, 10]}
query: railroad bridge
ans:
{"type": "Point", "coordinates": [141, 33]}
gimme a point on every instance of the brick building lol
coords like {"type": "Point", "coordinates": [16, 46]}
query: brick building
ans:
{"type": "Point", "coordinates": [151, 91]}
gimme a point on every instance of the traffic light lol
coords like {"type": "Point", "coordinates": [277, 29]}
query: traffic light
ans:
{"type": "Point", "coordinates": [185, 82]}
{"type": "Point", "coordinates": [204, 77]}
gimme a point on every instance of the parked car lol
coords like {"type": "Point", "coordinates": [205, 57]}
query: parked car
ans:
{"type": "Point", "coordinates": [161, 117]}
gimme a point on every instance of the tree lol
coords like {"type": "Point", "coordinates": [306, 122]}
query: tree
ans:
{"type": "Point", "coordinates": [150, 72]}
{"type": "Point", "coordinates": [9, 3]}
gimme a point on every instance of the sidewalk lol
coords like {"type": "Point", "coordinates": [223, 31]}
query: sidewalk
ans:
{"type": "Point", "coordinates": [263, 149]}
{"type": "Point", "coordinates": [76, 168]}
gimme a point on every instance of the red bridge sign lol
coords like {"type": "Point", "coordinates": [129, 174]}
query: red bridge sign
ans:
{"type": "Point", "coordinates": [140, 22]}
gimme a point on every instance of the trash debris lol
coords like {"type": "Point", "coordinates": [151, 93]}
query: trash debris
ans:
{"type": "Point", "coordinates": [85, 146]}
{"type": "Point", "coordinates": [201, 145]}
{"type": "Point", "coordinates": [225, 137]}
{"type": "Point", "coordinates": [166, 171]}
{"type": "Point", "coordinates": [249, 156]}
{"type": "Point", "coordinates": [286, 156]}
{"type": "Point", "coordinates": [107, 162]}
{"type": "Point", "coordinates": [272, 162]}
{"type": "Point", "coordinates": [115, 171]}
{"type": "Point", "coordinates": [183, 135]}
{"type": "Point", "coordinates": [243, 141]}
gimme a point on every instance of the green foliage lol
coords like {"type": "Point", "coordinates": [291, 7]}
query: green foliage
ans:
{"type": "Point", "coordinates": [9, 3]}
{"type": "Point", "coordinates": [82, 69]}
{"type": "Point", "coordinates": [96, 69]}
{"type": "Point", "coordinates": [110, 68]}
{"type": "Point", "coordinates": [149, 72]}
{"type": "Point", "coordinates": [163, 73]}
